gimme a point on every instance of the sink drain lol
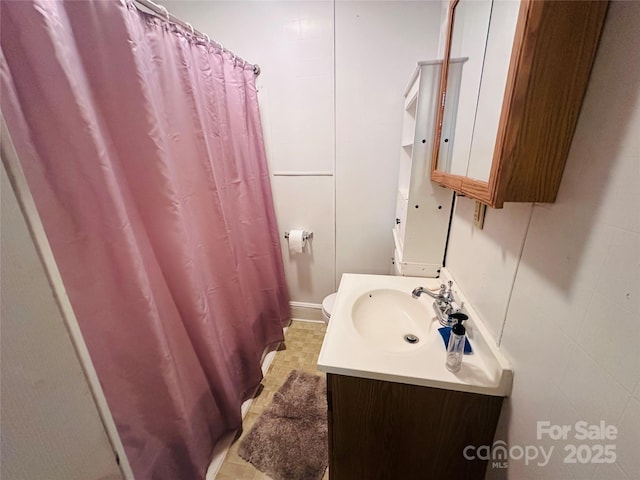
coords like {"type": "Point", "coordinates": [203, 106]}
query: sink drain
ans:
{"type": "Point", "coordinates": [409, 338]}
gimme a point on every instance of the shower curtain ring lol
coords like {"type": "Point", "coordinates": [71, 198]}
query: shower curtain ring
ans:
{"type": "Point", "coordinates": [207, 37]}
{"type": "Point", "coordinates": [191, 28]}
{"type": "Point", "coordinates": [165, 11]}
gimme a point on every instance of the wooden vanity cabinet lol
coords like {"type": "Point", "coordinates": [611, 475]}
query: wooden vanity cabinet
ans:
{"type": "Point", "coordinates": [388, 430]}
{"type": "Point", "coordinates": [553, 50]}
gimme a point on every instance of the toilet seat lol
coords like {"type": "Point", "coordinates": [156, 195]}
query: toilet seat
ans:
{"type": "Point", "coordinates": [327, 306]}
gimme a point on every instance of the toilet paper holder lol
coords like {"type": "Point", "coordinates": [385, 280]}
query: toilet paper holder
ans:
{"type": "Point", "coordinates": [305, 235]}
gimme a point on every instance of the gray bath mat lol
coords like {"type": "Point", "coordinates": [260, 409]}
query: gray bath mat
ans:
{"type": "Point", "coordinates": [289, 439]}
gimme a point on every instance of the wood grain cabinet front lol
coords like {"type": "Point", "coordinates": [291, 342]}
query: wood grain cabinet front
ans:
{"type": "Point", "coordinates": [387, 430]}
{"type": "Point", "coordinates": [523, 82]}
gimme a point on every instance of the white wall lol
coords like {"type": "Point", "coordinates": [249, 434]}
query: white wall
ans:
{"type": "Point", "coordinates": [331, 100]}
{"type": "Point", "coordinates": [559, 284]}
{"type": "Point", "coordinates": [377, 47]}
{"type": "Point", "coordinates": [51, 427]}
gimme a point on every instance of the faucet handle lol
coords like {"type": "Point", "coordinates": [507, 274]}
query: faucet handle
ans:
{"type": "Point", "coordinates": [449, 292]}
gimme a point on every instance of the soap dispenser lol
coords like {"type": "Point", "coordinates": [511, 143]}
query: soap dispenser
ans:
{"type": "Point", "coordinates": [455, 347]}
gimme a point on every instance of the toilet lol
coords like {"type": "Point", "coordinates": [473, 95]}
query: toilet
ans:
{"type": "Point", "coordinates": [327, 307]}
{"type": "Point", "coordinates": [330, 300]}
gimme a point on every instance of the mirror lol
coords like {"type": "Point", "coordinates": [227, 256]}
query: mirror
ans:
{"type": "Point", "coordinates": [481, 34]}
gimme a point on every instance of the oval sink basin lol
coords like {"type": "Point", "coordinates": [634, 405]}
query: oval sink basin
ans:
{"type": "Point", "coordinates": [366, 338]}
{"type": "Point", "coordinates": [391, 320]}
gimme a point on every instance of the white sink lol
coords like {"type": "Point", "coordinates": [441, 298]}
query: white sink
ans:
{"type": "Point", "coordinates": [366, 338]}
{"type": "Point", "coordinates": [391, 320]}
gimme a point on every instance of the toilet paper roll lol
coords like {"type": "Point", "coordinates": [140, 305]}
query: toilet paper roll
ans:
{"type": "Point", "coordinates": [296, 241]}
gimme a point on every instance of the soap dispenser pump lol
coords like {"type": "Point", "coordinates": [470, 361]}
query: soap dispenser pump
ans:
{"type": "Point", "coordinates": [455, 347]}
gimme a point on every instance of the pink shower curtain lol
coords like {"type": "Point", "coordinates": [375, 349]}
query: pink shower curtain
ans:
{"type": "Point", "coordinates": [143, 148]}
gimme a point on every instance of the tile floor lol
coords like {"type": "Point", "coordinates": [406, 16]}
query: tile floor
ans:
{"type": "Point", "coordinates": [300, 351]}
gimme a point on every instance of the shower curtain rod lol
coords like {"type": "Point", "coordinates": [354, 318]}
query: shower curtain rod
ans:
{"type": "Point", "coordinates": [162, 12]}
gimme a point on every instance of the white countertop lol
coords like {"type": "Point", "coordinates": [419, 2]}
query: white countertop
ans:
{"type": "Point", "coordinates": [346, 352]}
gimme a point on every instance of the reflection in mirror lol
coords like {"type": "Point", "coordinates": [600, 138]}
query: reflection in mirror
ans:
{"type": "Point", "coordinates": [483, 31]}
{"type": "Point", "coordinates": [497, 59]}
{"type": "Point", "coordinates": [468, 39]}
{"type": "Point", "coordinates": [454, 76]}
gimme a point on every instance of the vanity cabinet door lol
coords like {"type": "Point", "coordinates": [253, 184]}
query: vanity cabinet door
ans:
{"type": "Point", "coordinates": [515, 118]}
{"type": "Point", "coordinates": [388, 430]}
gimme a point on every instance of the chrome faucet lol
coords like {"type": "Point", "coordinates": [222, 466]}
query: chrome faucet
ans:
{"type": "Point", "coordinates": [444, 305]}
{"type": "Point", "coordinates": [420, 290]}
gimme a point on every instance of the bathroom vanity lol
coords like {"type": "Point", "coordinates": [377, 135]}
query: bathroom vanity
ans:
{"type": "Point", "coordinates": [394, 410]}
{"type": "Point", "coordinates": [382, 429]}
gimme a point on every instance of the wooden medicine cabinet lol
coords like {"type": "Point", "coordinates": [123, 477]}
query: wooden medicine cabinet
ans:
{"type": "Point", "coordinates": [506, 136]}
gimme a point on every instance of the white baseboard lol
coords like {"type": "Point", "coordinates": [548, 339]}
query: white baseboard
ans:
{"type": "Point", "coordinates": [306, 311]}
